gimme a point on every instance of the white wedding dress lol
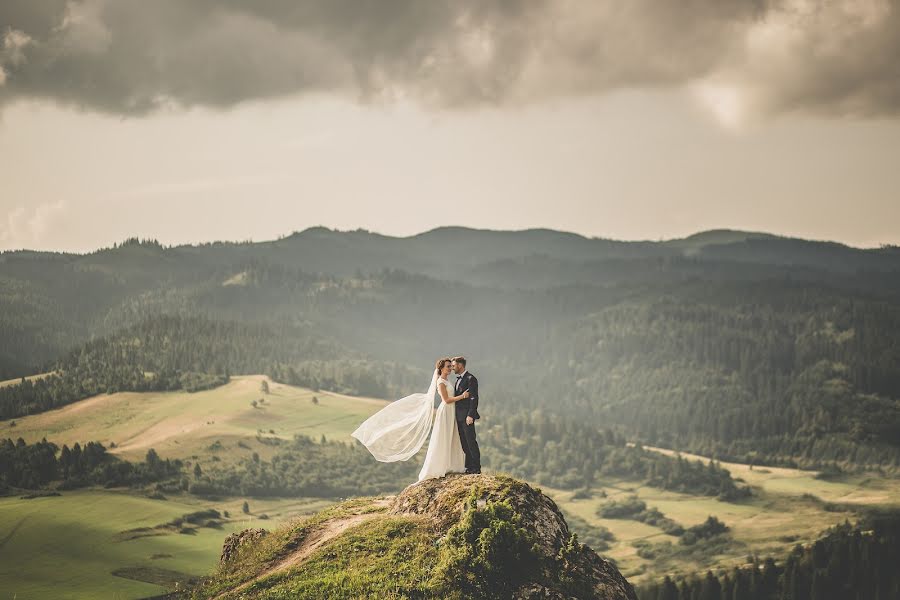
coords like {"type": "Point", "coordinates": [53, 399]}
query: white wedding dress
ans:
{"type": "Point", "coordinates": [398, 431]}
{"type": "Point", "coordinates": [445, 453]}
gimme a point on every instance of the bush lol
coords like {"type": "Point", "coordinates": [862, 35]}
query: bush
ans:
{"type": "Point", "coordinates": [489, 553]}
{"type": "Point", "coordinates": [622, 509]}
{"type": "Point", "coordinates": [709, 528]}
{"type": "Point", "coordinates": [582, 494]}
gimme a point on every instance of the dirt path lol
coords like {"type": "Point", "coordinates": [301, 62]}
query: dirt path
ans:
{"type": "Point", "coordinates": [12, 532]}
{"type": "Point", "coordinates": [322, 534]}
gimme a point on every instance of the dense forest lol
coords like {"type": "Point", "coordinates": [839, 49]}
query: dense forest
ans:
{"type": "Point", "coordinates": [195, 353]}
{"type": "Point", "coordinates": [37, 466]}
{"type": "Point", "coordinates": [734, 345]}
{"type": "Point", "coordinates": [569, 454]}
{"type": "Point", "coordinates": [851, 562]}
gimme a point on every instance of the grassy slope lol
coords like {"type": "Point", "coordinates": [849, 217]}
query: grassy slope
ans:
{"type": "Point", "coordinates": [426, 542]}
{"type": "Point", "coordinates": [859, 489]}
{"type": "Point", "coordinates": [67, 546]}
{"type": "Point", "coordinates": [182, 425]}
{"type": "Point", "coordinates": [770, 523]}
{"type": "Point", "coordinates": [370, 558]}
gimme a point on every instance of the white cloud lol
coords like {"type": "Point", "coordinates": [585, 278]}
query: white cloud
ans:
{"type": "Point", "coordinates": [26, 227]}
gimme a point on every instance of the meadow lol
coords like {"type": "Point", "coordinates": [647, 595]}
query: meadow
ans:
{"type": "Point", "coordinates": [69, 546]}
{"type": "Point", "coordinates": [187, 424]}
{"type": "Point", "coordinates": [788, 506]}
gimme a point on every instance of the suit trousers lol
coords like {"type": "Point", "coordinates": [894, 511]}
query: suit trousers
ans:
{"type": "Point", "coordinates": [469, 444]}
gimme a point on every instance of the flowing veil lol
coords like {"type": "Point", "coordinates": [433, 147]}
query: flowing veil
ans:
{"type": "Point", "coordinates": [397, 431]}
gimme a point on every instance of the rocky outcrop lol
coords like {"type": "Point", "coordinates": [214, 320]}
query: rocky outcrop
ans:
{"type": "Point", "coordinates": [460, 537]}
{"type": "Point", "coordinates": [444, 500]}
{"type": "Point", "coordinates": [235, 541]}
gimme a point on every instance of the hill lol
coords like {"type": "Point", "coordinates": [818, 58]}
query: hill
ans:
{"type": "Point", "coordinates": [202, 424]}
{"type": "Point", "coordinates": [453, 537]}
{"type": "Point", "coordinates": [743, 346]}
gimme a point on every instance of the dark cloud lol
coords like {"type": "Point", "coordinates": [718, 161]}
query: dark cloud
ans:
{"type": "Point", "coordinates": [742, 57]}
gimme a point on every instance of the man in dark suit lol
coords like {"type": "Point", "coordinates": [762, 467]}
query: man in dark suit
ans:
{"type": "Point", "coordinates": [466, 413]}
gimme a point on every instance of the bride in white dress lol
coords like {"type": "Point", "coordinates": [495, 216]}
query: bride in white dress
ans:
{"type": "Point", "coordinates": [398, 431]}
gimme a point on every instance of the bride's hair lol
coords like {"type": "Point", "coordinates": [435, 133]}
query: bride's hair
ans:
{"type": "Point", "coordinates": [439, 365]}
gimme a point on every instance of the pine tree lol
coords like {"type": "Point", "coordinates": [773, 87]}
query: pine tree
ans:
{"type": "Point", "coordinates": [711, 589]}
{"type": "Point", "coordinates": [668, 590]}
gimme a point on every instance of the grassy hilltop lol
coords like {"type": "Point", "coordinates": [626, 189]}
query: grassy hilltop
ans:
{"type": "Point", "coordinates": [184, 425]}
{"type": "Point", "coordinates": [460, 536]}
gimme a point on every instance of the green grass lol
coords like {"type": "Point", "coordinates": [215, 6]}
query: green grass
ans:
{"type": "Point", "coordinates": [182, 424]}
{"type": "Point", "coordinates": [66, 546]}
{"type": "Point", "coordinates": [778, 515]}
{"type": "Point", "coordinates": [359, 550]}
{"type": "Point", "coordinates": [382, 558]}
{"type": "Point", "coordinates": [856, 489]}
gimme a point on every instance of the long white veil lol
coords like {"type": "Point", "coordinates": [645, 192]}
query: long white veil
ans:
{"type": "Point", "coordinates": [397, 431]}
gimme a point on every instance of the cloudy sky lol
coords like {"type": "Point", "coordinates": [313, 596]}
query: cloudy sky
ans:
{"type": "Point", "coordinates": [196, 120]}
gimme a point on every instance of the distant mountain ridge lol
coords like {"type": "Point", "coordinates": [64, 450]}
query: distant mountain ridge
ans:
{"type": "Point", "coordinates": [443, 250]}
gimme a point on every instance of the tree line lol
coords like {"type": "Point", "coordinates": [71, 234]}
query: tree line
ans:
{"type": "Point", "coordinates": [569, 454]}
{"type": "Point", "coordinates": [165, 353]}
{"type": "Point", "coordinates": [850, 562]}
{"type": "Point", "coordinates": [38, 465]}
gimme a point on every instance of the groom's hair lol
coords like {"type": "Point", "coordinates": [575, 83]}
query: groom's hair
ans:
{"type": "Point", "coordinates": [460, 359]}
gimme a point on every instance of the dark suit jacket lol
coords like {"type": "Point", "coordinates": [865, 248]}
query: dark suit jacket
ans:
{"type": "Point", "coordinates": [467, 407]}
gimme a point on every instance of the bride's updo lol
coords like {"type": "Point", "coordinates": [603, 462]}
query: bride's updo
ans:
{"type": "Point", "coordinates": [439, 365]}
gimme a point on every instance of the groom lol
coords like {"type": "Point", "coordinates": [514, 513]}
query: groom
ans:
{"type": "Point", "coordinates": [466, 413]}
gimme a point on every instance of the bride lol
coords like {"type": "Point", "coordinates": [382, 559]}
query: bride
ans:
{"type": "Point", "coordinates": [398, 430]}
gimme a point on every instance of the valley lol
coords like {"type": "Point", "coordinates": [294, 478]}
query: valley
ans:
{"type": "Point", "coordinates": [80, 533]}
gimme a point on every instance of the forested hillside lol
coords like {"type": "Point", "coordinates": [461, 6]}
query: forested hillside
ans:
{"type": "Point", "coordinates": [738, 345]}
{"type": "Point", "coordinates": [849, 562]}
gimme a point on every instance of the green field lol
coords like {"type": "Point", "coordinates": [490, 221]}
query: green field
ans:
{"type": "Point", "coordinates": [856, 489]}
{"type": "Point", "coordinates": [184, 425]}
{"type": "Point", "coordinates": [787, 507]}
{"type": "Point", "coordinates": [68, 546]}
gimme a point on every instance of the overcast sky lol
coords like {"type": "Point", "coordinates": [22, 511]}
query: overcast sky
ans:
{"type": "Point", "coordinates": [196, 120]}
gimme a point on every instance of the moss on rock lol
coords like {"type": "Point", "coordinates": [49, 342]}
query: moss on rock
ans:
{"type": "Point", "coordinates": [460, 536]}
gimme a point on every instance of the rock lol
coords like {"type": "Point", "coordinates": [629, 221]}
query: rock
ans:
{"type": "Point", "coordinates": [234, 541]}
{"type": "Point", "coordinates": [469, 536]}
{"type": "Point", "coordinates": [443, 500]}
